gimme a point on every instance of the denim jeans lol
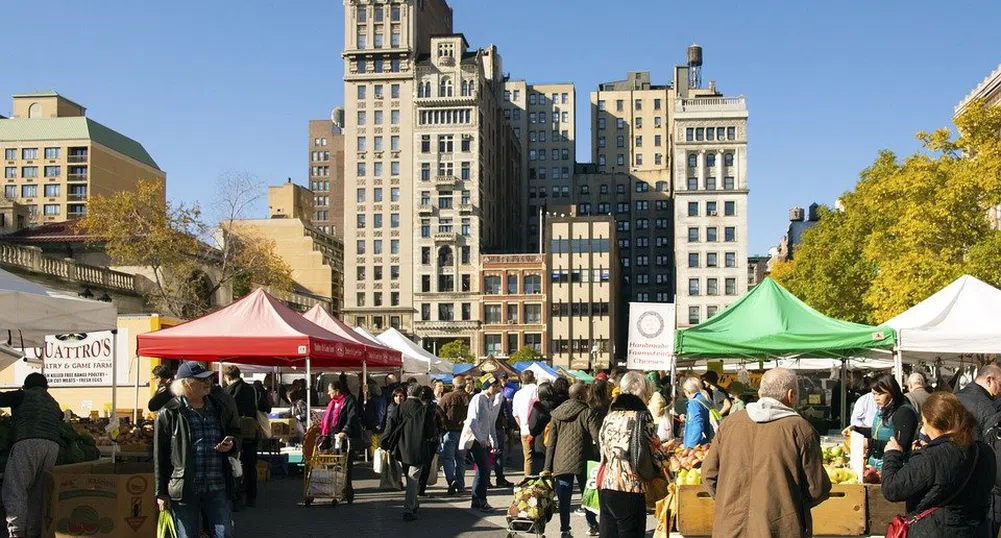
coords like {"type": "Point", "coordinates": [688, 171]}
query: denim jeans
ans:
{"type": "Point", "coordinates": [482, 478]}
{"type": "Point", "coordinates": [499, 455]}
{"type": "Point", "coordinates": [217, 510]}
{"type": "Point", "coordinates": [564, 490]}
{"type": "Point", "coordinates": [453, 460]}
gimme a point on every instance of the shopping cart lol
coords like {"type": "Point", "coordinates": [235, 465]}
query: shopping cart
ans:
{"type": "Point", "coordinates": [325, 474]}
{"type": "Point", "coordinates": [533, 506]}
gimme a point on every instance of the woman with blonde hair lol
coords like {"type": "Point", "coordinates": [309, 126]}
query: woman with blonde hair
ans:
{"type": "Point", "coordinates": [631, 455]}
{"type": "Point", "coordinates": [661, 417]}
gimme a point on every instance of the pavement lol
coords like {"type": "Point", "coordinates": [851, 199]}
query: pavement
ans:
{"type": "Point", "coordinates": [379, 513]}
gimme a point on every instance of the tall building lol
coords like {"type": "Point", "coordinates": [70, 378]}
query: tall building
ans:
{"type": "Point", "coordinates": [515, 308]}
{"type": "Point", "coordinates": [382, 44]}
{"type": "Point", "coordinates": [629, 125]}
{"type": "Point", "coordinates": [316, 258]}
{"type": "Point", "coordinates": [466, 158]}
{"type": "Point", "coordinates": [584, 299]}
{"type": "Point", "coordinates": [800, 221]}
{"type": "Point", "coordinates": [326, 176]}
{"type": "Point", "coordinates": [710, 189]}
{"type": "Point", "coordinates": [545, 121]}
{"type": "Point", "coordinates": [55, 158]}
{"type": "Point", "coordinates": [989, 90]}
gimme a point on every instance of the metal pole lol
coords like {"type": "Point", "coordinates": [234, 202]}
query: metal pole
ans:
{"type": "Point", "coordinates": [844, 396]}
{"type": "Point", "coordinates": [114, 384]}
{"type": "Point", "coordinates": [135, 404]}
{"type": "Point", "coordinates": [898, 366]}
{"type": "Point", "coordinates": [309, 392]}
{"type": "Point", "coordinates": [540, 230]}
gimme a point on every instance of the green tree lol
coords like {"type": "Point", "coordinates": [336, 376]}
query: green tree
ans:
{"type": "Point", "coordinates": [524, 354]}
{"type": "Point", "coordinates": [909, 228]}
{"type": "Point", "coordinates": [456, 351]}
{"type": "Point", "coordinates": [187, 259]}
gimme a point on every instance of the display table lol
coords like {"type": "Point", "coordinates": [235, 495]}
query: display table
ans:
{"type": "Point", "coordinates": [851, 510]}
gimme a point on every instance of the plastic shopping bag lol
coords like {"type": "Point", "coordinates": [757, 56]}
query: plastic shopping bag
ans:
{"type": "Point", "coordinates": [380, 460]}
{"type": "Point", "coordinates": [435, 471]}
{"type": "Point", "coordinates": [392, 476]}
{"type": "Point", "coordinates": [165, 525]}
{"type": "Point", "coordinates": [589, 501]}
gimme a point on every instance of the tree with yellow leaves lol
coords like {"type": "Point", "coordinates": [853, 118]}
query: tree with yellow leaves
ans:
{"type": "Point", "coordinates": [187, 260]}
{"type": "Point", "coordinates": [909, 228]}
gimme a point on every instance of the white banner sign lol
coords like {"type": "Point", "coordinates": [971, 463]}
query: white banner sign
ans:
{"type": "Point", "coordinates": [651, 336]}
{"type": "Point", "coordinates": [77, 360]}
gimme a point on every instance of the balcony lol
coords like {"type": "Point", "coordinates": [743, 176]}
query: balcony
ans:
{"type": "Point", "coordinates": [425, 209]}
{"type": "Point", "coordinates": [465, 208]}
{"type": "Point", "coordinates": [446, 181]}
{"type": "Point", "coordinates": [712, 104]}
{"type": "Point", "coordinates": [31, 259]}
{"type": "Point", "coordinates": [446, 237]}
{"type": "Point", "coordinates": [77, 159]}
{"type": "Point", "coordinates": [74, 197]}
{"type": "Point", "coordinates": [76, 177]}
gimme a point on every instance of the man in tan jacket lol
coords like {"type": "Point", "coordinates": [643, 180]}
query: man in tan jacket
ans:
{"type": "Point", "coordinates": [765, 467]}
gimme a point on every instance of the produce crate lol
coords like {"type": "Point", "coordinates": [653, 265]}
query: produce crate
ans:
{"type": "Point", "coordinates": [263, 471]}
{"type": "Point", "coordinates": [102, 500]}
{"type": "Point", "coordinates": [843, 514]}
{"type": "Point", "coordinates": [282, 427]}
{"type": "Point", "coordinates": [880, 511]}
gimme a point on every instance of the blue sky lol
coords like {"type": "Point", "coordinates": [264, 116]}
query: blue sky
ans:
{"type": "Point", "coordinates": [216, 86]}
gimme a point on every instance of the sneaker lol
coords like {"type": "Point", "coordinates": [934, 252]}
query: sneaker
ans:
{"type": "Point", "coordinates": [484, 507]}
{"type": "Point", "coordinates": [409, 517]}
{"type": "Point", "coordinates": [502, 483]}
{"type": "Point", "coordinates": [453, 488]}
{"type": "Point", "coordinates": [593, 531]}
{"type": "Point", "coordinates": [566, 534]}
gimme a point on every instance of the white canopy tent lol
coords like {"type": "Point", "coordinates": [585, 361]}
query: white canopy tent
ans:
{"type": "Point", "coordinates": [29, 312]}
{"type": "Point", "coordinates": [952, 326]}
{"type": "Point", "coordinates": [416, 360]}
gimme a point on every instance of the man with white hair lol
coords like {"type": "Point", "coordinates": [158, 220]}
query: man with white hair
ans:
{"type": "Point", "coordinates": [765, 467]}
{"type": "Point", "coordinates": [917, 391]}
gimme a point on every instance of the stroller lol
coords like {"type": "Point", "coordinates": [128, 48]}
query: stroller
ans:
{"type": "Point", "coordinates": [533, 506]}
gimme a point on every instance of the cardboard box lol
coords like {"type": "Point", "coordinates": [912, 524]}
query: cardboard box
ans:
{"type": "Point", "coordinates": [263, 471]}
{"type": "Point", "coordinates": [101, 500]}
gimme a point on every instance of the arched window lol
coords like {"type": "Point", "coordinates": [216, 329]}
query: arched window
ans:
{"type": "Point", "coordinates": [420, 89]}
{"type": "Point", "coordinates": [693, 160]}
{"type": "Point", "coordinates": [728, 159]}
{"type": "Point", "coordinates": [445, 257]}
{"type": "Point", "coordinates": [34, 110]}
{"type": "Point", "coordinates": [710, 160]}
{"type": "Point", "coordinates": [467, 88]}
{"type": "Point", "coordinates": [445, 87]}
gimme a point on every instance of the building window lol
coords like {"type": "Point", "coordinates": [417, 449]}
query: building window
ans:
{"type": "Point", "coordinates": [693, 160]}
{"type": "Point", "coordinates": [729, 234]}
{"type": "Point", "coordinates": [464, 255]}
{"type": "Point", "coordinates": [446, 312]}
{"type": "Point", "coordinates": [711, 209]}
{"type": "Point", "coordinates": [394, 117]}
{"type": "Point", "coordinates": [711, 234]}
{"type": "Point", "coordinates": [731, 133]}
{"type": "Point", "coordinates": [619, 105]}
{"type": "Point", "coordinates": [50, 209]}
{"type": "Point", "coordinates": [29, 171]}
{"type": "Point", "coordinates": [394, 220]}
{"type": "Point", "coordinates": [620, 160]}
{"type": "Point", "coordinates": [731, 286]}
{"type": "Point", "coordinates": [491, 285]}
{"type": "Point", "coordinates": [700, 134]}
{"type": "Point", "coordinates": [9, 154]}
{"type": "Point", "coordinates": [693, 184]}
{"type": "Point", "coordinates": [29, 154]}
{"type": "Point", "coordinates": [693, 260]}
{"type": "Point", "coordinates": [10, 172]}
{"type": "Point", "coordinates": [693, 235]}
{"type": "Point", "coordinates": [693, 315]}
{"type": "Point", "coordinates": [728, 159]}
{"type": "Point", "coordinates": [426, 312]}
{"type": "Point", "coordinates": [710, 160]}
{"type": "Point", "coordinates": [730, 259]}
{"type": "Point", "coordinates": [693, 209]}
{"type": "Point", "coordinates": [712, 259]}
{"type": "Point", "coordinates": [533, 284]}
{"type": "Point", "coordinates": [693, 286]}
{"type": "Point", "coordinates": [710, 183]}
{"type": "Point", "coordinates": [728, 183]}
{"type": "Point", "coordinates": [51, 153]}
{"type": "Point", "coordinates": [492, 313]}
{"type": "Point", "coordinates": [712, 286]}
{"type": "Point", "coordinates": [29, 191]}
{"type": "Point", "coordinates": [729, 209]}
{"type": "Point", "coordinates": [10, 192]}
{"type": "Point", "coordinates": [425, 227]}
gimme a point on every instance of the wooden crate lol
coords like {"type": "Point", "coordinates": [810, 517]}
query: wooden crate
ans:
{"type": "Point", "coordinates": [880, 511]}
{"type": "Point", "coordinates": [843, 514]}
{"type": "Point", "coordinates": [695, 511]}
{"type": "Point", "coordinates": [263, 471]}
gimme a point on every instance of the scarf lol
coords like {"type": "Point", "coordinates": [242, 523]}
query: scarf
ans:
{"type": "Point", "coordinates": [332, 413]}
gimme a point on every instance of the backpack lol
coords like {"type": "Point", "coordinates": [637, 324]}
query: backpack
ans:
{"type": "Point", "coordinates": [715, 417]}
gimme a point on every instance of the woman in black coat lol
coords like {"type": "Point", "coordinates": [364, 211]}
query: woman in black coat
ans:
{"type": "Point", "coordinates": [548, 399]}
{"type": "Point", "coordinates": [954, 474]}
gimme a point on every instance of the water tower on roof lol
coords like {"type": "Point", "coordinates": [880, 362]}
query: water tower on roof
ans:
{"type": "Point", "coordinates": [695, 66]}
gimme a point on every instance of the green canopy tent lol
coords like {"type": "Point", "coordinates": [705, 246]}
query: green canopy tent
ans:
{"type": "Point", "coordinates": [769, 323]}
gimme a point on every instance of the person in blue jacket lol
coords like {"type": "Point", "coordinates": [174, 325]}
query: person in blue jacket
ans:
{"type": "Point", "coordinates": [698, 430]}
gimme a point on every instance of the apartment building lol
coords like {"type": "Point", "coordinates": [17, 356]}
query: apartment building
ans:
{"type": "Point", "coordinates": [545, 121]}
{"type": "Point", "coordinates": [467, 165]}
{"type": "Point", "coordinates": [630, 125]}
{"type": "Point", "coordinates": [55, 158]}
{"type": "Point", "coordinates": [584, 299]}
{"type": "Point", "coordinates": [383, 41]}
{"type": "Point", "coordinates": [710, 189]}
{"type": "Point", "coordinates": [515, 307]}
{"type": "Point", "coordinates": [315, 257]}
{"type": "Point", "coordinates": [642, 206]}
{"type": "Point", "coordinates": [326, 176]}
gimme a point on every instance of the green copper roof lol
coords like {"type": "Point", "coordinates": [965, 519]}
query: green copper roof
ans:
{"type": "Point", "coordinates": [73, 128]}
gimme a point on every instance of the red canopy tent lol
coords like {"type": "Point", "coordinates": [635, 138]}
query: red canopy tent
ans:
{"type": "Point", "coordinates": [376, 354]}
{"type": "Point", "coordinates": [259, 330]}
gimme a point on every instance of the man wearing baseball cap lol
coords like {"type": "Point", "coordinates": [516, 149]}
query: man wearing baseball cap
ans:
{"type": "Point", "coordinates": [194, 436]}
{"type": "Point", "coordinates": [480, 437]}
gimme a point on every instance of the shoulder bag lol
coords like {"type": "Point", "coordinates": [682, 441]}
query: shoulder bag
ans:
{"type": "Point", "coordinates": [900, 525]}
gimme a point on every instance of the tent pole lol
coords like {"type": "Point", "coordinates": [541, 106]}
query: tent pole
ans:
{"type": "Point", "coordinates": [114, 384]}
{"type": "Point", "coordinates": [674, 375]}
{"type": "Point", "coordinates": [309, 392]}
{"type": "Point", "coordinates": [844, 395]}
{"type": "Point", "coordinates": [135, 404]}
{"type": "Point", "coordinates": [898, 366]}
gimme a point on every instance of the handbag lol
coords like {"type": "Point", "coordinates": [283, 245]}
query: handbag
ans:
{"type": "Point", "coordinates": [264, 423]}
{"type": "Point", "coordinates": [435, 471]}
{"type": "Point", "coordinates": [900, 525]}
{"type": "Point", "coordinates": [641, 459]}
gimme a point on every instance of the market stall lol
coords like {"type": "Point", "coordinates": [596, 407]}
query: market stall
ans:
{"type": "Point", "coordinates": [770, 324]}
{"type": "Point", "coordinates": [542, 371]}
{"type": "Point", "coordinates": [373, 350]}
{"type": "Point", "coordinates": [953, 326]}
